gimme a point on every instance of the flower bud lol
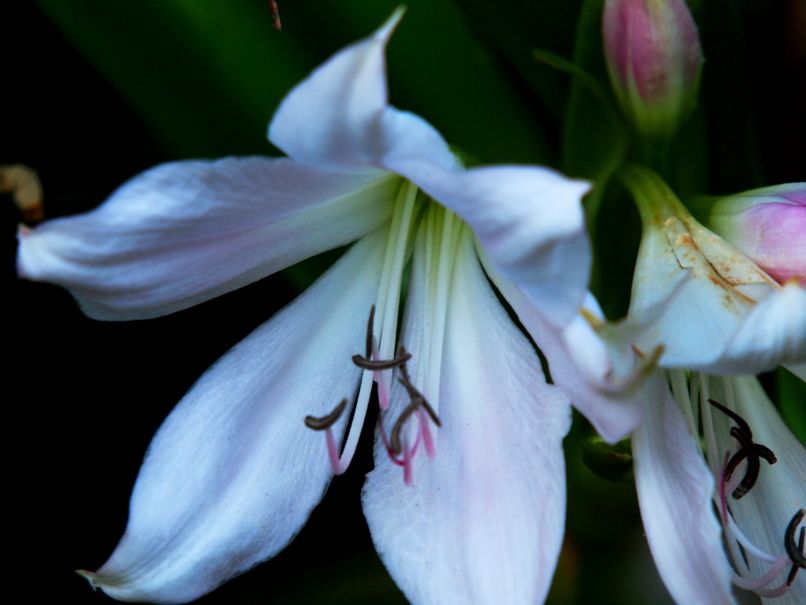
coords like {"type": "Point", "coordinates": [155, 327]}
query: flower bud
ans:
{"type": "Point", "coordinates": [654, 58]}
{"type": "Point", "coordinates": [769, 226]}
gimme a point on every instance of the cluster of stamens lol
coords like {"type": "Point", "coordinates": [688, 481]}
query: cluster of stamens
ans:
{"type": "Point", "coordinates": [750, 453]}
{"type": "Point", "coordinates": [418, 407]}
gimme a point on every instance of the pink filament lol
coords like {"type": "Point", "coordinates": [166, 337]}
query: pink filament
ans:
{"type": "Point", "coordinates": [425, 431]}
{"type": "Point", "coordinates": [759, 583]}
{"type": "Point", "coordinates": [333, 453]}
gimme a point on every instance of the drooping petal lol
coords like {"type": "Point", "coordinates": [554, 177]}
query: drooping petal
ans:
{"type": "Point", "coordinates": [581, 365]}
{"type": "Point", "coordinates": [764, 512]}
{"type": "Point", "coordinates": [185, 232]}
{"type": "Point", "coordinates": [483, 520]}
{"type": "Point", "coordinates": [675, 488]}
{"type": "Point", "coordinates": [336, 118]}
{"type": "Point", "coordinates": [529, 221]}
{"type": "Point", "coordinates": [233, 473]}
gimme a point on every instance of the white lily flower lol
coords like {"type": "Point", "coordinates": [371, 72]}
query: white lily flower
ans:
{"type": "Point", "coordinates": [233, 473]}
{"type": "Point", "coordinates": [699, 304]}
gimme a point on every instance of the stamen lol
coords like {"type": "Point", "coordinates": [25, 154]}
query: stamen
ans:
{"type": "Point", "coordinates": [749, 451]}
{"type": "Point", "coordinates": [795, 551]}
{"type": "Point", "coordinates": [370, 342]}
{"type": "Point", "coordinates": [416, 395]}
{"type": "Point", "coordinates": [757, 583]}
{"type": "Point", "coordinates": [741, 422]}
{"type": "Point", "coordinates": [325, 422]}
{"type": "Point", "coordinates": [398, 426]}
{"type": "Point", "coordinates": [790, 579]}
{"type": "Point", "coordinates": [381, 364]}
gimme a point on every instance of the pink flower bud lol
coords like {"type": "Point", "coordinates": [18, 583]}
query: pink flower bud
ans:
{"type": "Point", "coordinates": [769, 226]}
{"type": "Point", "coordinates": [654, 58]}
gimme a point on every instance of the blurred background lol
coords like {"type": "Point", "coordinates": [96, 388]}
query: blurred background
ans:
{"type": "Point", "coordinates": [97, 91]}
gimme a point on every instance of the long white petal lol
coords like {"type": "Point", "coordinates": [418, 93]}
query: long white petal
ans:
{"type": "Point", "coordinates": [483, 521]}
{"type": "Point", "coordinates": [675, 488]}
{"type": "Point", "coordinates": [233, 473]}
{"type": "Point", "coordinates": [529, 221]}
{"type": "Point", "coordinates": [185, 232]}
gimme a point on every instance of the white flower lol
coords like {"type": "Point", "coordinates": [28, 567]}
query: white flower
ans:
{"type": "Point", "coordinates": [233, 473]}
{"type": "Point", "coordinates": [699, 304]}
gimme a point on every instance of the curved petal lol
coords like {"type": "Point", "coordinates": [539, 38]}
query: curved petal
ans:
{"type": "Point", "coordinates": [529, 221]}
{"type": "Point", "coordinates": [185, 232]}
{"type": "Point", "coordinates": [233, 473]}
{"type": "Point", "coordinates": [336, 118]}
{"type": "Point", "coordinates": [483, 521]}
{"type": "Point", "coordinates": [674, 491]}
{"type": "Point", "coordinates": [580, 364]}
{"type": "Point", "coordinates": [706, 327]}
{"type": "Point", "coordinates": [773, 333]}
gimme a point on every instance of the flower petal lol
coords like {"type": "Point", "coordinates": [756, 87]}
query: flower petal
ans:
{"type": "Point", "coordinates": [233, 473]}
{"type": "Point", "coordinates": [674, 491]}
{"type": "Point", "coordinates": [483, 521]}
{"type": "Point", "coordinates": [336, 118]}
{"type": "Point", "coordinates": [185, 232]}
{"type": "Point", "coordinates": [529, 221]}
{"type": "Point", "coordinates": [529, 218]}
{"type": "Point", "coordinates": [580, 364]}
{"type": "Point", "coordinates": [773, 333]}
{"type": "Point", "coordinates": [709, 306]}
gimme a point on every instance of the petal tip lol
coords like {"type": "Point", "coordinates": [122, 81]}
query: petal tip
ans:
{"type": "Point", "coordinates": [386, 30]}
{"type": "Point", "coordinates": [89, 577]}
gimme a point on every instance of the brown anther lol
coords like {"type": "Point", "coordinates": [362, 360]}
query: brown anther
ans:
{"type": "Point", "coordinates": [750, 451]}
{"type": "Point", "coordinates": [370, 322]}
{"type": "Point", "coordinates": [793, 550]}
{"type": "Point", "coordinates": [394, 436]}
{"type": "Point", "coordinates": [381, 364]}
{"type": "Point", "coordinates": [325, 422]}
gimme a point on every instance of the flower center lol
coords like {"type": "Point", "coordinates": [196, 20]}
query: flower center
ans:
{"type": "Point", "coordinates": [429, 234]}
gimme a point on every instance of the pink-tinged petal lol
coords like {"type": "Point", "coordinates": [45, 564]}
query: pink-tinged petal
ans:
{"type": "Point", "coordinates": [675, 489]}
{"type": "Point", "coordinates": [769, 226]}
{"type": "Point", "coordinates": [233, 473]}
{"type": "Point", "coordinates": [529, 221]}
{"type": "Point", "coordinates": [483, 520]}
{"type": "Point", "coordinates": [185, 232]}
{"type": "Point", "coordinates": [581, 365]}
